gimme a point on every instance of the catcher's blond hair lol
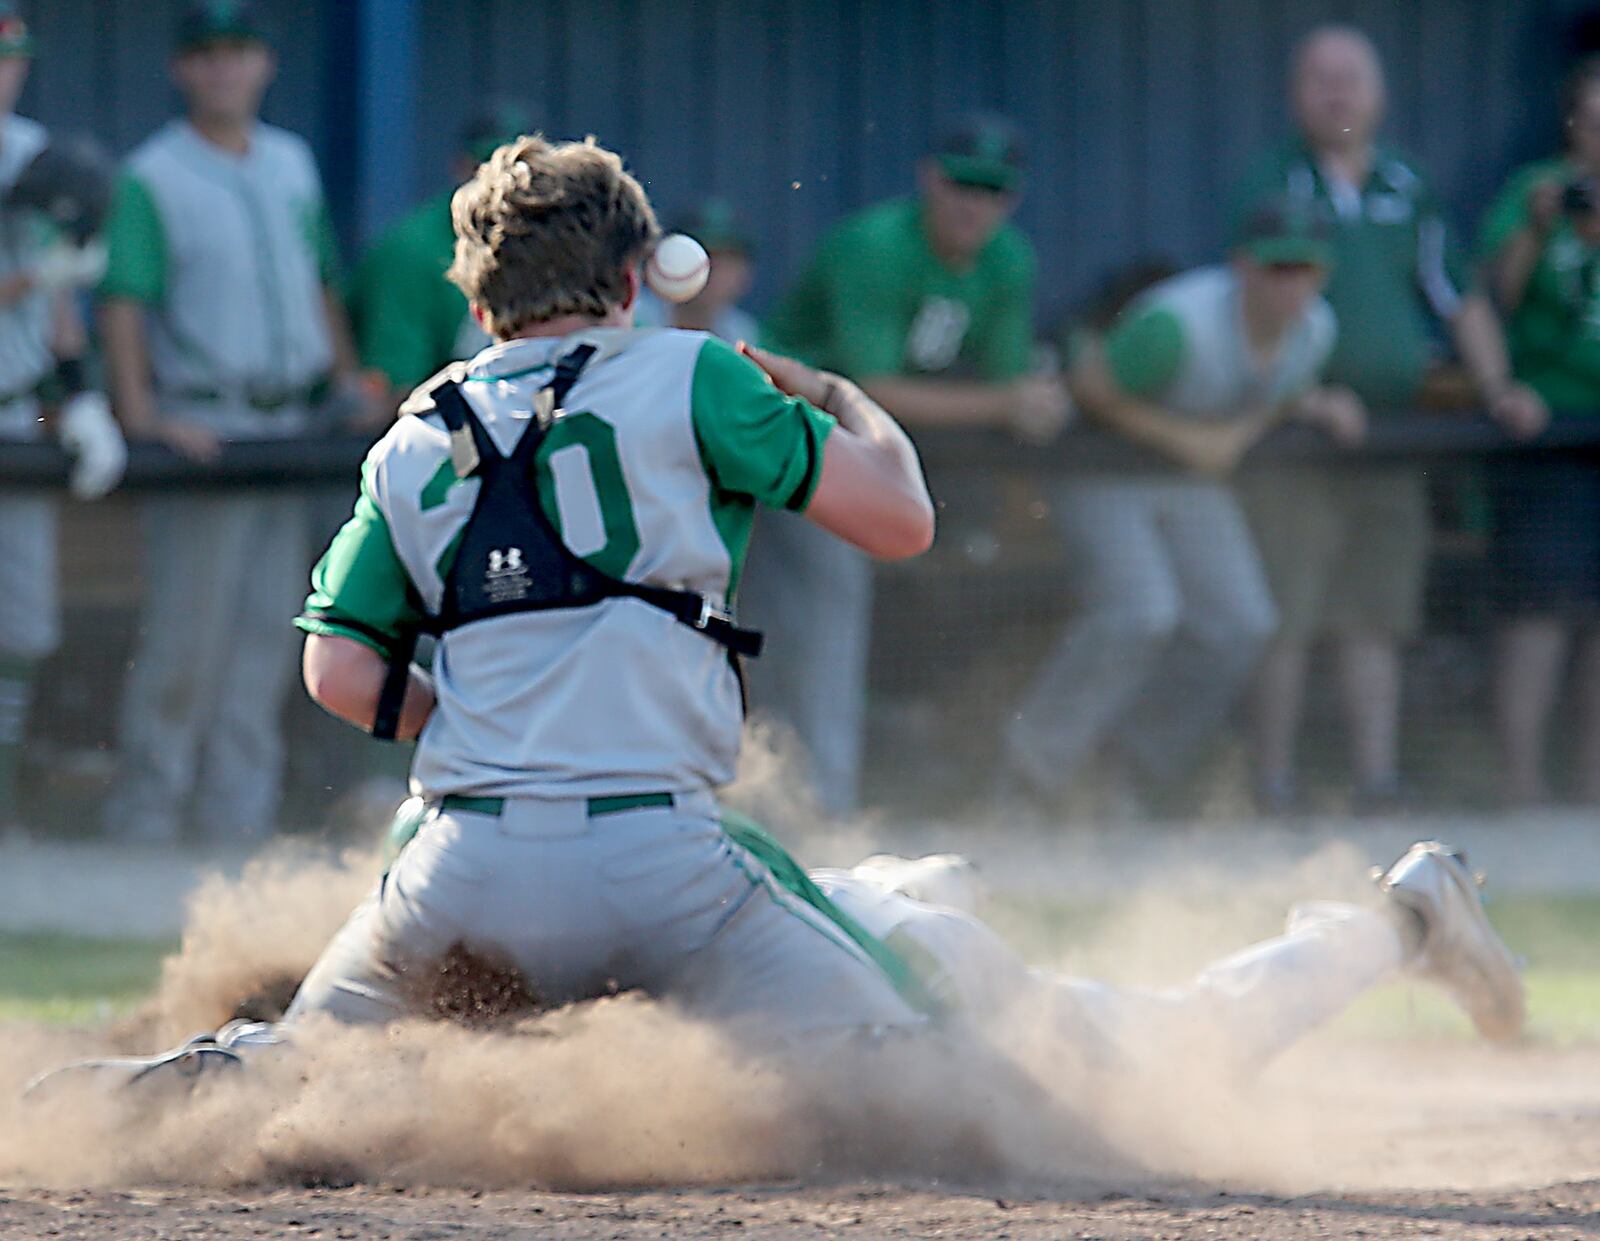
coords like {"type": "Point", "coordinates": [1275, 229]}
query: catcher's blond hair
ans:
{"type": "Point", "coordinates": [548, 229]}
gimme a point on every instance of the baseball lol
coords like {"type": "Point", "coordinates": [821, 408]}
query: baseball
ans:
{"type": "Point", "coordinates": [678, 268]}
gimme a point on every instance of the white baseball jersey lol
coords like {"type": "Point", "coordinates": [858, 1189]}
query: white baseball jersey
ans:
{"type": "Point", "coordinates": [652, 475]}
{"type": "Point", "coordinates": [25, 325]}
{"type": "Point", "coordinates": [230, 252]}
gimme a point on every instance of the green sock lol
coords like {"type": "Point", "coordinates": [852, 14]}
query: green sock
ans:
{"type": "Point", "coordinates": [16, 694]}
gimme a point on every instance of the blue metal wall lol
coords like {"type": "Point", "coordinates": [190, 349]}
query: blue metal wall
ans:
{"type": "Point", "coordinates": [1141, 112]}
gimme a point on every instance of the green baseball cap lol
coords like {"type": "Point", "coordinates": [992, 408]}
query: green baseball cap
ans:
{"type": "Point", "coordinates": [500, 122]}
{"type": "Point", "coordinates": [713, 224]}
{"type": "Point", "coordinates": [15, 37]}
{"type": "Point", "coordinates": [983, 150]}
{"type": "Point", "coordinates": [1283, 232]}
{"type": "Point", "coordinates": [219, 21]}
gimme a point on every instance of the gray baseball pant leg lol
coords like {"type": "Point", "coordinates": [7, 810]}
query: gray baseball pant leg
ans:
{"type": "Point", "coordinates": [1226, 619]}
{"type": "Point", "coordinates": [191, 576]}
{"type": "Point", "coordinates": [215, 654]}
{"type": "Point", "coordinates": [30, 623]}
{"type": "Point", "coordinates": [655, 898]}
{"type": "Point", "coordinates": [811, 594]}
{"type": "Point", "coordinates": [1127, 608]}
{"type": "Point", "coordinates": [1238, 1013]}
{"type": "Point", "coordinates": [30, 608]}
{"type": "Point", "coordinates": [241, 757]}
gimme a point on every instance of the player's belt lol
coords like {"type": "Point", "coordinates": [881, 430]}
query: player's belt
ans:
{"type": "Point", "coordinates": [263, 400]}
{"type": "Point", "coordinates": [598, 807]}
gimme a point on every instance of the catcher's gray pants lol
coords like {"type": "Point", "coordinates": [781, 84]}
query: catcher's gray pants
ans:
{"type": "Point", "coordinates": [201, 726]}
{"type": "Point", "coordinates": [30, 615]}
{"type": "Point", "coordinates": [811, 594]}
{"type": "Point", "coordinates": [653, 898]}
{"type": "Point", "coordinates": [1173, 612]}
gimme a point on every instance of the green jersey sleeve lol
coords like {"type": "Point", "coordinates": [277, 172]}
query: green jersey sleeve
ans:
{"type": "Point", "coordinates": [136, 250]}
{"type": "Point", "coordinates": [1005, 346]}
{"type": "Point", "coordinates": [753, 439]}
{"type": "Point", "coordinates": [1508, 214]}
{"type": "Point", "coordinates": [1144, 350]}
{"type": "Point", "coordinates": [359, 589]}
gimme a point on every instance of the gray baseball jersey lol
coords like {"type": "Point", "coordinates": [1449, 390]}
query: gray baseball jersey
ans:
{"type": "Point", "coordinates": [25, 353]}
{"type": "Point", "coordinates": [230, 252]}
{"type": "Point", "coordinates": [1182, 343]}
{"type": "Point", "coordinates": [29, 614]}
{"type": "Point", "coordinates": [669, 441]}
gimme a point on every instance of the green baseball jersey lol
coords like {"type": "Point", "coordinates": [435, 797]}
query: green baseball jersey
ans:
{"type": "Point", "coordinates": [1182, 343]}
{"type": "Point", "coordinates": [26, 356]}
{"type": "Point", "coordinates": [231, 254]}
{"type": "Point", "coordinates": [1394, 270]}
{"type": "Point", "coordinates": [877, 301]}
{"type": "Point", "coordinates": [669, 441]}
{"type": "Point", "coordinates": [409, 321]}
{"type": "Point", "coordinates": [1554, 334]}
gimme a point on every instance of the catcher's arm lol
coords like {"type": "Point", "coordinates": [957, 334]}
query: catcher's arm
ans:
{"type": "Point", "coordinates": [871, 492]}
{"type": "Point", "coordinates": [345, 678]}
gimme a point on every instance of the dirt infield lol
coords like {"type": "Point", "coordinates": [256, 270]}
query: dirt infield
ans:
{"type": "Point", "coordinates": [845, 1210]}
{"type": "Point", "coordinates": [619, 1120]}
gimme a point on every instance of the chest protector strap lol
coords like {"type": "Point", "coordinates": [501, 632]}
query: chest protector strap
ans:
{"type": "Point", "coordinates": [510, 558]}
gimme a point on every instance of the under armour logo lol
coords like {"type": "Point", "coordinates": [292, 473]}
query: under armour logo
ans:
{"type": "Point", "coordinates": [504, 562]}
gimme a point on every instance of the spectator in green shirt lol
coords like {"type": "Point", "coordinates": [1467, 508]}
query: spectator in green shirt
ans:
{"type": "Point", "coordinates": [927, 303]}
{"type": "Point", "coordinates": [409, 320]}
{"type": "Point", "coordinates": [1541, 250]}
{"type": "Point", "coordinates": [1346, 549]}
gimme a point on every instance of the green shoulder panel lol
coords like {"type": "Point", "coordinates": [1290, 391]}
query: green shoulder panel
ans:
{"type": "Point", "coordinates": [1144, 350]}
{"type": "Point", "coordinates": [754, 441]}
{"type": "Point", "coordinates": [136, 261]}
{"type": "Point", "coordinates": [359, 589]}
{"type": "Point", "coordinates": [756, 445]}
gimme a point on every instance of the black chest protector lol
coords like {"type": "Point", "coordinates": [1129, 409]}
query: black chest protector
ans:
{"type": "Point", "coordinates": [510, 557]}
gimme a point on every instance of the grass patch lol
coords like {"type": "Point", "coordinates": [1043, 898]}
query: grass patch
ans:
{"type": "Point", "coordinates": [70, 979]}
{"type": "Point", "coordinates": [67, 979]}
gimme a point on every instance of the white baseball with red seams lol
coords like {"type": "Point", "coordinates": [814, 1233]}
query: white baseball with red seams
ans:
{"type": "Point", "coordinates": [678, 267]}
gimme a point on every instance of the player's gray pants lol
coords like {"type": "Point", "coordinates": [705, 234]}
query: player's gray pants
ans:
{"type": "Point", "coordinates": [653, 898]}
{"type": "Point", "coordinates": [1172, 614]}
{"type": "Point", "coordinates": [811, 594]}
{"type": "Point", "coordinates": [30, 614]}
{"type": "Point", "coordinates": [201, 720]}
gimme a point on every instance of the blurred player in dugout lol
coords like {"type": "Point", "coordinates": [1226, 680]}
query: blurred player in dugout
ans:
{"type": "Point", "coordinates": [927, 303]}
{"type": "Point", "coordinates": [1345, 549]}
{"type": "Point", "coordinates": [1173, 609]}
{"type": "Point", "coordinates": [41, 343]}
{"type": "Point", "coordinates": [220, 322]}
{"type": "Point", "coordinates": [1540, 247]}
{"type": "Point", "coordinates": [408, 320]}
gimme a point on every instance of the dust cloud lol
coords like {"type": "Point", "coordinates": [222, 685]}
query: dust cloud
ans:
{"type": "Point", "coordinates": [628, 1092]}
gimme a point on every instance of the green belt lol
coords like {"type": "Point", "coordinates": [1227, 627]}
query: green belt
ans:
{"type": "Point", "coordinates": [599, 807]}
{"type": "Point", "coordinates": [266, 401]}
